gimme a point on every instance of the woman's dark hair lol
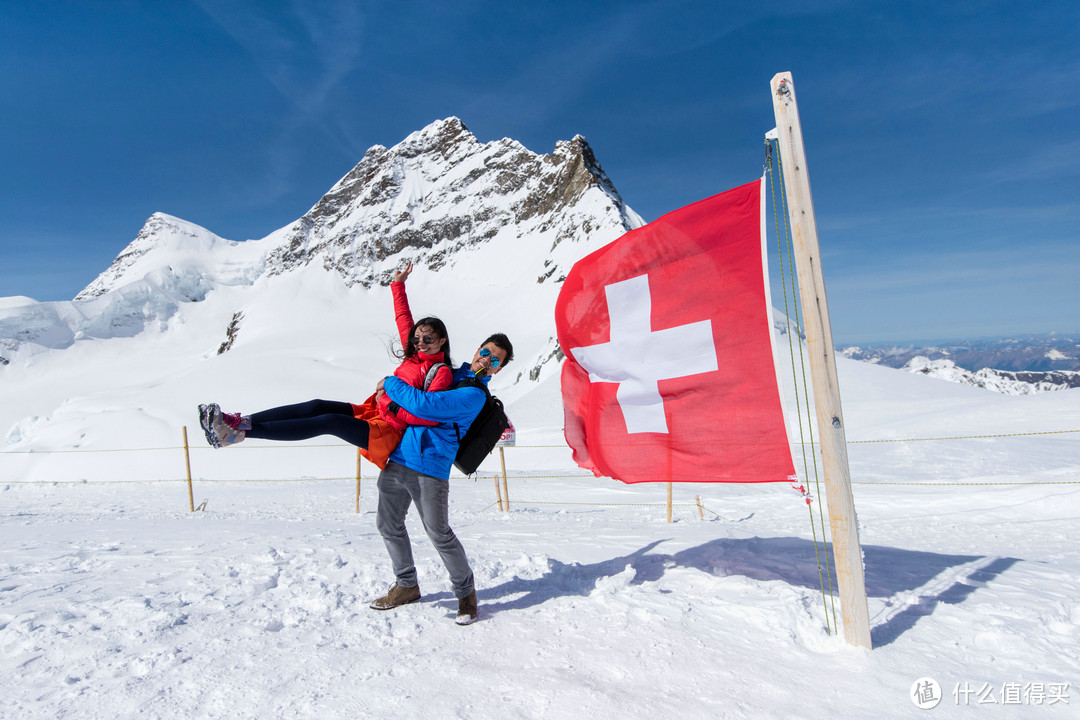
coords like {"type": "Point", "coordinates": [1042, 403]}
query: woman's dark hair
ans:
{"type": "Point", "coordinates": [439, 328]}
{"type": "Point", "coordinates": [501, 341]}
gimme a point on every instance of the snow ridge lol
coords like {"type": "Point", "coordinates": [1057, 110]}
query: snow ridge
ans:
{"type": "Point", "coordinates": [1002, 381]}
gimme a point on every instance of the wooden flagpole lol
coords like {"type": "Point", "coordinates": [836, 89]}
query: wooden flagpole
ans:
{"type": "Point", "coordinates": [830, 419]}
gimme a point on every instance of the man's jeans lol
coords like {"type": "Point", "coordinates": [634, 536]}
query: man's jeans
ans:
{"type": "Point", "coordinates": [398, 487]}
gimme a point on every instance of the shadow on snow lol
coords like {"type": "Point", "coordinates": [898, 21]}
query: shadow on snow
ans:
{"type": "Point", "coordinates": [795, 561]}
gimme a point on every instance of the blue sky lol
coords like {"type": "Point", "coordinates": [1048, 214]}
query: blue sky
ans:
{"type": "Point", "coordinates": [942, 137]}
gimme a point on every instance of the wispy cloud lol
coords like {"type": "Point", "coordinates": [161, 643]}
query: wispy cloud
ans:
{"type": "Point", "coordinates": [556, 74]}
{"type": "Point", "coordinates": [307, 55]}
{"type": "Point", "coordinates": [562, 75]}
{"type": "Point", "coordinates": [954, 295]}
{"type": "Point", "coordinates": [1049, 161]}
{"type": "Point", "coordinates": [988, 270]}
{"type": "Point", "coordinates": [931, 218]}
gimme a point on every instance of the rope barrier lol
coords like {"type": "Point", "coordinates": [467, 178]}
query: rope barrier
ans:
{"type": "Point", "coordinates": [292, 446]}
{"type": "Point", "coordinates": [604, 504]}
{"type": "Point", "coordinates": [975, 484]}
{"type": "Point", "coordinates": [458, 478]}
{"type": "Point", "coordinates": [609, 504]}
{"type": "Point", "coordinates": [965, 437]}
{"type": "Point", "coordinates": [298, 446]}
{"type": "Point", "coordinates": [171, 480]}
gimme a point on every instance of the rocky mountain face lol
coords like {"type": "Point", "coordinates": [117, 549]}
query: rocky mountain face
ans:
{"type": "Point", "coordinates": [441, 190]}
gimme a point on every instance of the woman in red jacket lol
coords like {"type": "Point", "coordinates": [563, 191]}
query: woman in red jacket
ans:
{"type": "Point", "coordinates": [377, 424]}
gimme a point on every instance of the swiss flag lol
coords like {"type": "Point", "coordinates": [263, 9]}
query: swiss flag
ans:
{"type": "Point", "coordinates": [669, 372]}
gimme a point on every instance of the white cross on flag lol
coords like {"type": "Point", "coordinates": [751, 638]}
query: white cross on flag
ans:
{"type": "Point", "coordinates": [669, 372]}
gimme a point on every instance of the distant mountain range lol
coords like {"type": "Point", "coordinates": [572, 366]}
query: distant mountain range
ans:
{"type": "Point", "coordinates": [1014, 365]}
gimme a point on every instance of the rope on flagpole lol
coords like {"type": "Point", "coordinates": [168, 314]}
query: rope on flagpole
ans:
{"type": "Point", "coordinates": [826, 577]}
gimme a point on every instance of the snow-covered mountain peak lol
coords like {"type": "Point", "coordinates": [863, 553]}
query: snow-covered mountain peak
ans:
{"type": "Point", "coordinates": [163, 242]}
{"type": "Point", "coordinates": [443, 136]}
{"type": "Point", "coordinates": [439, 191]}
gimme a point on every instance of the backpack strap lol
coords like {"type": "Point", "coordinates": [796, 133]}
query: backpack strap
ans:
{"type": "Point", "coordinates": [431, 373]}
{"type": "Point", "coordinates": [471, 382]}
{"type": "Point", "coordinates": [468, 382]}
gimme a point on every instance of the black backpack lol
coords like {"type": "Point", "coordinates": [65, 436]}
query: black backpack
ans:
{"type": "Point", "coordinates": [483, 434]}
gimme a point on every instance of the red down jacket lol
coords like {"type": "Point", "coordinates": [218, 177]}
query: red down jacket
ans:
{"type": "Point", "coordinates": [412, 370]}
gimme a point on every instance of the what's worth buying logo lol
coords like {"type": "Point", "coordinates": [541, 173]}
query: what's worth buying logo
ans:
{"type": "Point", "coordinates": [925, 693]}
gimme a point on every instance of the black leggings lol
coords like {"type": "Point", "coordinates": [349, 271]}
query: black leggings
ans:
{"type": "Point", "coordinates": [308, 420]}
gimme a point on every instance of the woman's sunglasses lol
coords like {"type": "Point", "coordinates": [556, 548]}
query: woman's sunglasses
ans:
{"type": "Point", "coordinates": [425, 339]}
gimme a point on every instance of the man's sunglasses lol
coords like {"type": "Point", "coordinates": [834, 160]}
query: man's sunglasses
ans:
{"type": "Point", "coordinates": [495, 362]}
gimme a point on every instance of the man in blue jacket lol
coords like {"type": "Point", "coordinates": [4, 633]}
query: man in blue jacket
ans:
{"type": "Point", "coordinates": [419, 470]}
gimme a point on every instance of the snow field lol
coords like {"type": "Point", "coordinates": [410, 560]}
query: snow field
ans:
{"type": "Point", "coordinates": [117, 602]}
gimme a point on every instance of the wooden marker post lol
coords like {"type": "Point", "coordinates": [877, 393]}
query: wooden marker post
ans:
{"type": "Point", "coordinates": [506, 488]}
{"type": "Point", "coordinates": [358, 457]}
{"type": "Point", "coordinates": [830, 420]}
{"type": "Point", "coordinates": [669, 502]}
{"type": "Point", "coordinates": [187, 464]}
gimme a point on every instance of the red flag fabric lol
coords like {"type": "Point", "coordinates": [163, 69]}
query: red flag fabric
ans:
{"type": "Point", "coordinates": [669, 372]}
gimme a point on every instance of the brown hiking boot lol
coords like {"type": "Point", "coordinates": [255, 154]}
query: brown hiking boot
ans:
{"type": "Point", "coordinates": [466, 610]}
{"type": "Point", "coordinates": [398, 595]}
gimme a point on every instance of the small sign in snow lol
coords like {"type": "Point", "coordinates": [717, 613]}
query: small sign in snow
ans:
{"type": "Point", "coordinates": [508, 438]}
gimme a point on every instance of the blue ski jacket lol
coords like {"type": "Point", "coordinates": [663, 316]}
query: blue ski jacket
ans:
{"type": "Point", "coordinates": [431, 450]}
